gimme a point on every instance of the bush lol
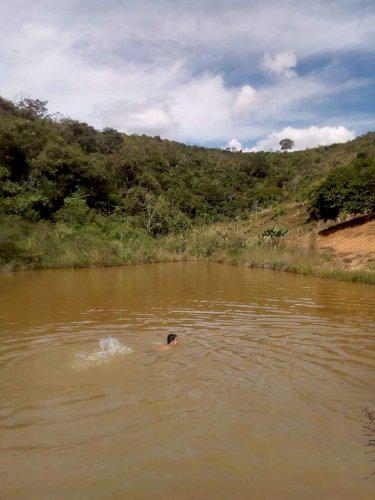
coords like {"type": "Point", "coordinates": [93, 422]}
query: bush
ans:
{"type": "Point", "coordinates": [9, 251]}
{"type": "Point", "coordinates": [74, 212]}
{"type": "Point", "coordinates": [272, 236]}
{"type": "Point", "coordinates": [348, 189]}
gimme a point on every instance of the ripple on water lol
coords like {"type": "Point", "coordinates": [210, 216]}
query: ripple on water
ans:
{"type": "Point", "coordinates": [266, 373]}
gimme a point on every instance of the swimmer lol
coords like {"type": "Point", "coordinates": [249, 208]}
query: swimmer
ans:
{"type": "Point", "coordinates": [172, 340]}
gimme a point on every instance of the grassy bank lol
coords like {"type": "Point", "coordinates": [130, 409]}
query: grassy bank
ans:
{"type": "Point", "coordinates": [236, 244]}
{"type": "Point", "coordinates": [112, 243]}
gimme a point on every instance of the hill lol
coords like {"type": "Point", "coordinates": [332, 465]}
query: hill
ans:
{"type": "Point", "coordinates": [72, 195]}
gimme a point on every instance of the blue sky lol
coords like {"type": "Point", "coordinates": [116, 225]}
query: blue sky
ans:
{"type": "Point", "coordinates": [245, 73]}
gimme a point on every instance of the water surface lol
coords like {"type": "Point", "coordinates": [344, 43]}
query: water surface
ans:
{"type": "Point", "coordinates": [263, 398]}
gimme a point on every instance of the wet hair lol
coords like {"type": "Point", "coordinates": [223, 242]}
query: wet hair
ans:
{"type": "Point", "coordinates": [171, 337]}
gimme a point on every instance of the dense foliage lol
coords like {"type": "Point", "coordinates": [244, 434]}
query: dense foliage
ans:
{"type": "Point", "coordinates": [348, 189]}
{"type": "Point", "coordinates": [73, 195]}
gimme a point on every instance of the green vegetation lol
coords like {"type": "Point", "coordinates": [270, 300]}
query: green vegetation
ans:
{"type": "Point", "coordinates": [73, 196]}
{"type": "Point", "coordinates": [286, 144]}
{"type": "Point", "coordinates": [272, 235]}
{"type": "Point", "coordinates": [348, 189]}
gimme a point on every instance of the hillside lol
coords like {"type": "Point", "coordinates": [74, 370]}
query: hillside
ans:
{"type": "Point", "coordinates": [352, 244]}
{"type": "Point", "coordinates": [72, 195]}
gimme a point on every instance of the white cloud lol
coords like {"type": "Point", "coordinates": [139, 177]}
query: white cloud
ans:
{"type": "Point", "coordinates": [202, 105]}
{"type": "Point", "coordinates": [281, 64]}
{"type": "Point", "coordinates": [183, 107]}
{"type": "Point", "coordinates": [152, 67]}
{"type": "Point", "coordinates": [234, 145]}
{"type": "Point", "coordinates": [238, 29]}
{"type": "Point", "coordinates": [305, 137]}
{"type": "Point", "coordinates": [152, 118]}
{"type": "Point", "coordinates": [246, 100]}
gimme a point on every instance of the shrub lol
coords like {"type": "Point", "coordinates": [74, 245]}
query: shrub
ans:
{"type": "Point", "coordinates": [348, 189]}
{"type": "Point", "coordinates": [74, 212]}
{"type": "Point", "coordinates": [272, 235]}
{"type": "Point", "coordinates": [9, 251]}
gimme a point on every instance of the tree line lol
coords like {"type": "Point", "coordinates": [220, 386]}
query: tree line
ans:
{"type": "Point", "coordinates": [54, 168]}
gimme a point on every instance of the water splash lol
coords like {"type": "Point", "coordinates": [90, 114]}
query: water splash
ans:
{"type": "Point", "coordinates": [108, 347]}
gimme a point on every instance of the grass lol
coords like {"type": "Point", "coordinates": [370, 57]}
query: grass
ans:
{"type": "Point", "coordinates": [47, 245]}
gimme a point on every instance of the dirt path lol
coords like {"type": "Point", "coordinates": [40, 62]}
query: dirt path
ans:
{"type": "Point", "coordinates": [356, 245]}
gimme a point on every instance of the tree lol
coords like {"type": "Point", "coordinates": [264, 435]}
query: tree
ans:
{"type": "Point", "coordinates": [260, 165]}
{"type": "Point", "coordinates": [110, 140]}
{"type": "Point", "coordinates": [12, 157]}
{"type": "Point", "coordinates": [349, 189]}
{"type": "Point", "coordinates": [33, 108]}
{"type": "Point", "coordinates": [286, 144]}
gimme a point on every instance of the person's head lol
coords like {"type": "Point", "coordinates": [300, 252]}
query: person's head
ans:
{"type": "Point", "coordinates": [172, 339]}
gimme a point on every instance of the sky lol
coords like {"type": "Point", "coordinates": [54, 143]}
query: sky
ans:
{"type": "Point", "coordinates": [239, 74]}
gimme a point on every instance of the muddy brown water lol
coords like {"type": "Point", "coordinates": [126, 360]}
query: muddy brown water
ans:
{"type": "Point", "coordinates": [263, 397]}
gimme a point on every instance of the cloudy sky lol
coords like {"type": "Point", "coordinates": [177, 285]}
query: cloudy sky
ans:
{"type": "Point", "coordinates": [244, 73]}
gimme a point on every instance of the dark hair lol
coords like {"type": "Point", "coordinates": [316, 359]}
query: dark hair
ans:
{"type": "Point", "coordinates": [171, 337]}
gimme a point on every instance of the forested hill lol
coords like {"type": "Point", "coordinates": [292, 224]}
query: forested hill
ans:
{"type": "Point", "coordinates": [50, 168]}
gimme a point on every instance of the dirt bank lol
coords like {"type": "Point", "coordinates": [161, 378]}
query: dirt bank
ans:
{"type": "Point", "coordinates": [353, 245]}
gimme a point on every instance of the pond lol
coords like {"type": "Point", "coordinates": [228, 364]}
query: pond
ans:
{"type": "Point", "coordinates": [262, 398]}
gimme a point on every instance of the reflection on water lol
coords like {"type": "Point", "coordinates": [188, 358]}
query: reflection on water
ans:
{"type": "Point", "coordinates": [262, 398]}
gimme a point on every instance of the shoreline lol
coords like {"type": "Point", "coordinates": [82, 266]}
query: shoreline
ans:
{"type": "Point", "coordinates": [300, 251]}
{"type": "Point", "coordinates": [335, 273]}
